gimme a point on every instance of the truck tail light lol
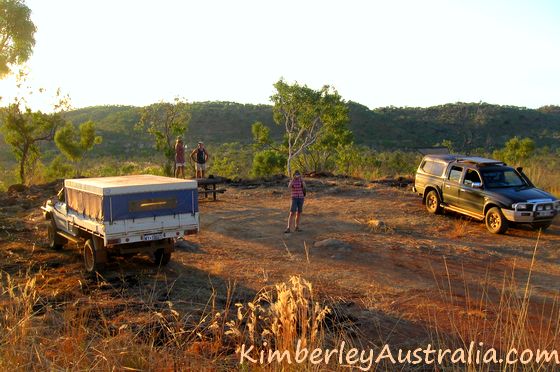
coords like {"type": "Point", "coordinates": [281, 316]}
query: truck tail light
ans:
{"type": "Point", "coordinates": [113, 241]}
{"type": "Point", "coordinates": [190, 232]}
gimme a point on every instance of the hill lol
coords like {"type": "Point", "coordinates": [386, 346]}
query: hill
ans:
{"type": "Point", "coordinates": [467, 125]}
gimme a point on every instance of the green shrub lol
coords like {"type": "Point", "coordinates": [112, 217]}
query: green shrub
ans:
{"type": "Point", "coordinates": [268, 162]}
{"type": "Point", "coordinates": [59, 168]}
{"type": "Point", "coordinates": [231, 160]}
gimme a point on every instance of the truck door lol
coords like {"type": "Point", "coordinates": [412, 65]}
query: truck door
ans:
{"type": "Point", "coordinates": [470, 192]}
{"type": "Point", "coordinates": [60, 211]}
{"type": "Point", "coordinates": [452, 185]}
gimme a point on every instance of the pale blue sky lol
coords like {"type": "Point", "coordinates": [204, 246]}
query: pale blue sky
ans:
{"type": "Point", "coordinates": [378, 53]}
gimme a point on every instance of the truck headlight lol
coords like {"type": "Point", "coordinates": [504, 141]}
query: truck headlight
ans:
{"type": "Point", "coordinates": [522, 206]}
{"type": "Point", "coordinates": [557, 204]}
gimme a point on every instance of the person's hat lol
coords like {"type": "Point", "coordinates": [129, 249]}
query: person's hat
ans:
{"type": "Point", "coordinates": [179, 138]}
{"type": "Point", "coordinates": [200, 143]}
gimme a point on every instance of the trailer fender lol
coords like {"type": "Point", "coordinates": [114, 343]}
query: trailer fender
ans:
{"type": "Point", "coordinates": [100, 250]}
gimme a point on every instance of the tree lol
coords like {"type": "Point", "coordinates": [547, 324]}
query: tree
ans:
{"type": "Point", "coordinates": [305, 113]}
{"type": "Point", "coordinates": [165, 121]}
{"type": "Point", "coordinates": [320, 156]}
{"type": "Point", "coordinates": [16, 34]}
{"type": "Point", "coordinates": [261, 135]}
{"type": "Point", "coordinates": [74, 144]}
{"type": "Point", "coordinates": [24, 130]}
{"type": "Point", "coordinates": [515, 150]}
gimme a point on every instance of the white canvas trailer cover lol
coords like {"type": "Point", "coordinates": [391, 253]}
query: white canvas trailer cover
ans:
{"type": "Point", "coordinates": [120, 185]}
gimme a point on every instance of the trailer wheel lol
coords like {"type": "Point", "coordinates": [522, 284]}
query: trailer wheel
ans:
{"type": "Point", "coordinates": [91, 260]}
{"type": "Point", "coordinates": [56, 241]}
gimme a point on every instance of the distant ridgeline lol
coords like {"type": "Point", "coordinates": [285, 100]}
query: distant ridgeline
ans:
{"type": "Point", "coordinates": [467, 125]}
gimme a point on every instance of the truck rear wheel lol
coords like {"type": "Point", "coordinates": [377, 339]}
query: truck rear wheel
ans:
{"type": "Point", "coordinates": [496, 223]}
{"type": "Point", "coordinates": [91, 258]}
{"type": "Point", "coordinates": [433, 202]}
{"type": "Point", "coordinates": [55, 241]}
{"type": "Point", "coordinates": [162, 256]}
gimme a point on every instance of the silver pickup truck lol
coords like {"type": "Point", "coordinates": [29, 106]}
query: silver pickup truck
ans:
{"type": "Point", "coordinates": [122, 215]}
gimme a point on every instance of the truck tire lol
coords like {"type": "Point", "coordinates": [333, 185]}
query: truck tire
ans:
{"type": "Point", "coordinates": [541, 225]}
{"type": "Point", "coordinates": [162, 256]}
{"type": "Point", "coordinates": [91, 260]}
{"type": "Point", "coordinates": [56, 241]}
{"type": "Point", "coordinates": [433, 202]}
{"type": "Point", "coordinates": [496, 223]}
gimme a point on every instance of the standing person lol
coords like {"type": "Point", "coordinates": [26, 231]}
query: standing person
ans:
{"type": "Point", "coordinates": [179, 157]}
{"type": "Point", "coordinates": [297, 187]}
{"type": "Point", "coordinates": [200, 157]}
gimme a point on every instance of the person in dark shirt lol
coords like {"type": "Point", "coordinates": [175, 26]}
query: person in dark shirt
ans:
{"type": "Point", "coordinates": [200, 157]}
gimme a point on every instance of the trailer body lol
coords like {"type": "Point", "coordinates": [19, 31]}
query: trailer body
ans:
{"type": "Point", "coordinates": [125, 214]}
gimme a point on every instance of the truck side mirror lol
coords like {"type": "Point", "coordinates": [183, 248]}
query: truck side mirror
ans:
{"type": "Point", "coordinates": [477, 185]}
{"type": "Point", "coordinates": [519, 169]}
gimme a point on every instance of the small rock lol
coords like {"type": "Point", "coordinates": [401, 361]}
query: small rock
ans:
{"type": "Point", "coordinates": [376, 224]}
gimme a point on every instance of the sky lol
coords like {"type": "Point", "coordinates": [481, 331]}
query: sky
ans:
{"type": "Point", "coordinates": [378, 53]}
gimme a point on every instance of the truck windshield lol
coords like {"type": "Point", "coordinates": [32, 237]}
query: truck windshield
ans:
{"type": "Point", "coordinates": [496, 178]}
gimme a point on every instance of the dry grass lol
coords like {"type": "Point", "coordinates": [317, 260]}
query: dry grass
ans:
{"type": "Point", "coordinates": [280, 317]}
{"type": "Point", "coordinates": [82, 336]}
{"type": "Point", "coordinates": [544, 177]}
{"type": "Point", "coordinates": [502, 323]}
{"type": "Point", "coordinates": [459, 229]}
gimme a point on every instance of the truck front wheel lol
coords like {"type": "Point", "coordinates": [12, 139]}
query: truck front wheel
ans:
{"type": "Point", "coordinates": [496, 223]}
{"type": "Point", "coordinates": [91, 258]}
{"type": "Point", "coordinates": [55, 241]}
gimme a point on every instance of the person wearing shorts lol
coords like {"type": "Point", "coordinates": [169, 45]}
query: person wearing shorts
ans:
{"type": "Point", "coordinates": [297, 187]}
{"type": "Point", "coordinates": [179, 158]}
{"type": "Point", "coordinates": [200, 157]}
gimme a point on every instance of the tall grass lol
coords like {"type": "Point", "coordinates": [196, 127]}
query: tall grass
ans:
{"type": "Point", "coordinates": [502, 318]}
{"type": "Point", "coordinates": [278, 319]}
{"type": "Point", "coordinates": [86, 334]}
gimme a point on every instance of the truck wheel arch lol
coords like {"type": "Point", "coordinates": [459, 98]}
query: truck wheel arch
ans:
{"type": "Point", "coordinates": [490, 204]}
{"type": "Point", "coordinates": [427, 190]}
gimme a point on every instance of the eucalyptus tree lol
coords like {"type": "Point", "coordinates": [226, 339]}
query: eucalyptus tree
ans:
{"type": "Point", "coordinates": [17, 34]}
{"type": "Point", "coordinates": [307, 115]}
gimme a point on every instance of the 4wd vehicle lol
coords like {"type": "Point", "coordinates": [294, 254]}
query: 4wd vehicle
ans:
{"type": "Point", "coordinates": [484, 189]}
{"type": "Point", "coordinates": [122, 215]}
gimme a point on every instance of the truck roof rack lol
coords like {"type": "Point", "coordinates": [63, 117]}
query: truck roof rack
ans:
{"type": "Point", "coordinates": [448, 158]}
{"type": "Point", "coordinates": [480, 161]}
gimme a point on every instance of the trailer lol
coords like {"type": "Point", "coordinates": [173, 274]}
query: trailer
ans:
{"type": "Point", "coordinates": [122, 215]}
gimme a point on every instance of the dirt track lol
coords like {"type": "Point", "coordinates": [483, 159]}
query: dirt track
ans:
{"type": "Point", "coordinates": [389, 282]}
